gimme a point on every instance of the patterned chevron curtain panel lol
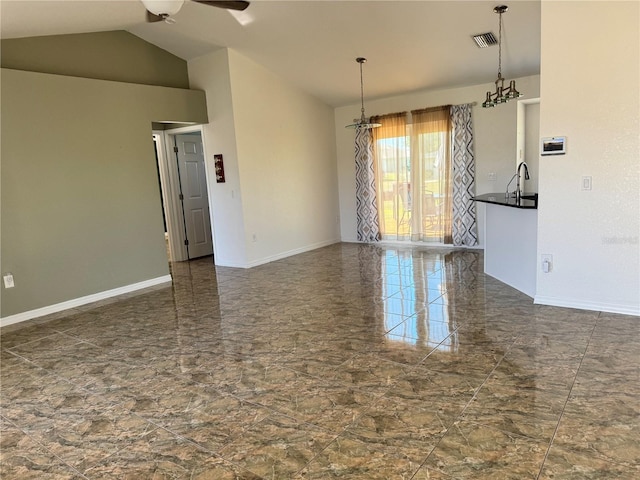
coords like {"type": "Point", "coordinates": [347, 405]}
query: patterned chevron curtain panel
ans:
{"type": "Point", "coordinates": [368, 227]}
{"type": "Point", "coordinates": [464, 223]}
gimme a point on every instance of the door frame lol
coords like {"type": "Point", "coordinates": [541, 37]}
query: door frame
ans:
{"type": "Point", "coordinates": [170, 184]}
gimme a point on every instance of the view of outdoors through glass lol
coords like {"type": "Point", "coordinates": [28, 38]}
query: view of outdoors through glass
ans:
{"type": "Point", "coordinates": [412, 181]}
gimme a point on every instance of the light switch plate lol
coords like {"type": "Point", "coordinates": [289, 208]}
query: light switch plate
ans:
{"type": "Point", "coordinates": [586, 182]}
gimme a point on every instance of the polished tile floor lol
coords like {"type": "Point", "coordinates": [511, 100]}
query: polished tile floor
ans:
{"type": "Point", "coordinates": [351, 361]}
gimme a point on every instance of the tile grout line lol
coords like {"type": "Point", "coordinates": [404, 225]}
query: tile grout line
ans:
{"type": "Point", "coordinates": [43, 447]}
{"type": "Point", "coordinates": [475, 393]}
{"type": "Point", "coordinates": [555, 431]}
{"type": "Point", "coordinates": [377, 400]}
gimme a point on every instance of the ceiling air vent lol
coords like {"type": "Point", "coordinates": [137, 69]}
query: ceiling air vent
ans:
{"type": "Point", "coordinates": [485, 40]}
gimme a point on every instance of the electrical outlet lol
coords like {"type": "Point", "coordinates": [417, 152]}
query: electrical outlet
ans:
{"type": "Point", "coordinates": [7, 278]}
{"type": "Point", "coordinates": [492, 177]}
{"type": "Point", "coordinates": [546, 262]}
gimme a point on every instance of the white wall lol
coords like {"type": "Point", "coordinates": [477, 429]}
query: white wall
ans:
{"type": "Point", "coordinates": [278, 144]}
{"type": "Point", "coordinates": [286, 156]}
{"type": "Point", "coordinates": [589, 92]}
{"type": "Point", "coordinates": [495, 139]}
{"type": "Point", "coordinates": [211, 74]}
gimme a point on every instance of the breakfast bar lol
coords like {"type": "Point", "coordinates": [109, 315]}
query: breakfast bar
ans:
{"type": "Point", "coordinates": [510, 243]}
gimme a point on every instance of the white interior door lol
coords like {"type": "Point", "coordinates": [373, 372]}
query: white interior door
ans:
{"type": "Point", "coordinates": [195, 201]}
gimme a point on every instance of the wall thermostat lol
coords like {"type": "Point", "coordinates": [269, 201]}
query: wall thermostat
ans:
{"type": "Point", "coordinates": [553, 146]}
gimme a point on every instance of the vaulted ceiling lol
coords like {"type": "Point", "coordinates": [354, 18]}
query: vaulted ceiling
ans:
{"type": "Point", "coordinates": [410, 45]}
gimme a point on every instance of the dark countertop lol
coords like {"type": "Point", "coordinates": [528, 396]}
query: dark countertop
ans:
{"type": "Point", "coordinates": [527, 200]}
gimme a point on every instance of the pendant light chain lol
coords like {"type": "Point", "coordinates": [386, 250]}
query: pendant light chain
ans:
{"type": "Point", "coordinates": [361, 95]}
{"type": "Point", "coordinates": [362, 123]}
{"type": "Point", "coordinates": [500, 47]}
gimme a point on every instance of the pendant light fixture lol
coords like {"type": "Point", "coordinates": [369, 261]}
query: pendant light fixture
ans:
{"type": "Point", "coordinates": [502, 94]}
{"type": "Point", "coordinates": [362, 123]}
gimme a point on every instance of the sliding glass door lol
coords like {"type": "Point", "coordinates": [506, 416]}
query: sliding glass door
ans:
{"type": "Point", "coordinates": [413, 175]}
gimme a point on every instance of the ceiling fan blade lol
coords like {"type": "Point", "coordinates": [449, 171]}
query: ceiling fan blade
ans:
{"type": "Point", "coordinates": [229, 5]}
{"type": "Point", "coordinates": [152, 17]}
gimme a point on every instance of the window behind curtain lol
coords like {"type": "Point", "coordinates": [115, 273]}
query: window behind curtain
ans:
{"type": "Point", "coordinates": [413, 178]}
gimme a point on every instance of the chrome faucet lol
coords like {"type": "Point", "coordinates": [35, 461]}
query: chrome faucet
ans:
{"type": "Point", "coordinates": [526, 177]}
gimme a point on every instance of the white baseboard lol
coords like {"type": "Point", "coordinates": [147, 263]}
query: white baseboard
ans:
{"type": "Point", "coordinates": [278, 256]}
{"type": "Point", "coordinates": [582, 305]}
{"type": "Point", "coordinates": [290, 253]}
{"type": "Point", "coordinates": [77, 302]}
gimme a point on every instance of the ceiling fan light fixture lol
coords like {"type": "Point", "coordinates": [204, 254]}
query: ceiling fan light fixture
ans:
{"type": "Point", "coordinates": [159, 10]}
{"type": "Point", "coordinates": [163, 8]}
{"type": "Point", "coordinates": [501, 94]}
{"type": "Point", "coordinates": [363, 123]}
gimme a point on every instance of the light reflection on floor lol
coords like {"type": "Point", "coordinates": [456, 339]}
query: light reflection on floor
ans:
{"type": "Point", "coordinates": [411, 283]}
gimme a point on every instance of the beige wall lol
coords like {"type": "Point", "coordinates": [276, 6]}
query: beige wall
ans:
{"type": "Point", "coordinates": [495, 135]}
{"type": "Point", "coordinates": [590, 94]}
{"type": "Point", "coordinates": [532, 143]}
{"type": "Point", "coordinates": [116, 55]}
{"type": "Point", "coordinates": [80, 205]}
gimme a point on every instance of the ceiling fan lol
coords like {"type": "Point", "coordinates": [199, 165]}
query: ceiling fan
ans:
{"type": "Point", "coordinates": [162, 10]}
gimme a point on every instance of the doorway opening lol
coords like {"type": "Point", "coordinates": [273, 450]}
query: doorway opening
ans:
{"type": "Point", "coordinates": [156, 148]}
{"type": "Point", "coordinates": [184, 192]}
{"type": "Point", "coordinates": [527, 141]}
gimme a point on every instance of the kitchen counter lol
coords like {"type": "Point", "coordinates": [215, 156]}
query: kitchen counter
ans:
{"type": "Point", "coordinates": [527, 200]}
{"type": "Point", "coordinates": [510, 239]}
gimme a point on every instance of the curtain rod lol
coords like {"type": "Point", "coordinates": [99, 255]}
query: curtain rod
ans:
{"type": "Point", "coordinates": [472, 104]}
{"type": "Point", "coordinates": [395, 114]}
